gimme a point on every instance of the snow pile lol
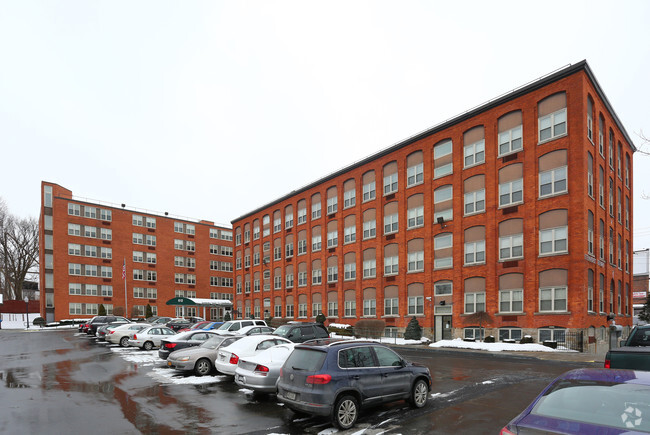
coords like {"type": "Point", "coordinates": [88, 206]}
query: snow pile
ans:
{"type": "Point", "coordinates": [386, 340]}
{"type": "Point", "coordinates": [495, 347]}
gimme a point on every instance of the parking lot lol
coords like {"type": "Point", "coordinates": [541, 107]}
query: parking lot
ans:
{"type": "Point", "coordinates": [65, 382]}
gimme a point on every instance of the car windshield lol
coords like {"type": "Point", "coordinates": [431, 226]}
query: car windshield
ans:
{"type": "Point", "coordinates": [213, 342]}
{"type": "Point", "coordinates": [282, 331]}
{"type": "Point", "coordinates": [598, 403]}
{"type": "Point", "coordinates": [306, 359]}
{"type": "Point", "coordinates": [225, 326]}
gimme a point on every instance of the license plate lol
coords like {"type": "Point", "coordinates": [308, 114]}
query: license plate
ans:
{"type": "Point", "coordinates": [289, 395]}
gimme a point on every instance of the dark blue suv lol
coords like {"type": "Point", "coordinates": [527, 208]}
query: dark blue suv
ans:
{"type": "Point", "coordinates": [335, 378]}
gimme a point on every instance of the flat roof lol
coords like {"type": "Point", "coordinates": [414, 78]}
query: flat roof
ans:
{"type": "Point", "coordinates": [515, 93]}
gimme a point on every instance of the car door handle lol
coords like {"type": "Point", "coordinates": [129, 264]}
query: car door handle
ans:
{"type": "Point", "coordinates": [356, 377]}
{"type": "Point", "coordinates": [385, 375]}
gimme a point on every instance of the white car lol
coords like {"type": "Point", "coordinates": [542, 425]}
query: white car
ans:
{"type": "Point", "coordinates": [150, 337]}
{"type": "Point", "coordinates": [260, 372]}
{"type": "Point", "coordinates": [122, 333]}
{"type": "Point", "coordinates": [255, 330]}
{"type": "Point", "coordinates": [228, 357]}
{"type": "Point", "coordinates": [233, 326]}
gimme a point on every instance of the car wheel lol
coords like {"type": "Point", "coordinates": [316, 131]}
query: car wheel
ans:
{"type": "Point", "coordinates": [202, 367]}
{"type": "Point", "coordinates": [420, 394]}
{"type": "Point", "coordinates": [147, 345]}
{"type": "Point", "coordinates": [124, 341]}
{"type": "Point", "coordinates": [345, 412]}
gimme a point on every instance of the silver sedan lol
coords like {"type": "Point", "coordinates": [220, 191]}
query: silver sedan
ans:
{"type": "Point", "coordinates": [260, 372]}
{"type": "Point", "coordinates": [200, 359]}
{"type": "Point", "coordinates": [151, 337]}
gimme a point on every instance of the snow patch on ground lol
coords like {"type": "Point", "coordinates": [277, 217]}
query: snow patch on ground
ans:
{"type": "Point", "coordinates": [495, 347]}
{"type": "Point", "coordinates": [387, 340]}
{"type": "Point", "coordinates": [170, 376]}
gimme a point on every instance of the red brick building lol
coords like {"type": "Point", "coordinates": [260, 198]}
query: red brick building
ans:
{"type": "Point", "coordinates": [520, 208]}
{"type": "Point", "coordinates": [85, 244]}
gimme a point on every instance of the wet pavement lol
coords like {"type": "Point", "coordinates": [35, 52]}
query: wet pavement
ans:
{"type": "Point", "coordinates": [61, 382]}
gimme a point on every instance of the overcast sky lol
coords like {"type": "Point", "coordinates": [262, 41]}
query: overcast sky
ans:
{"type": "Point", "coordinates": [212, 109]}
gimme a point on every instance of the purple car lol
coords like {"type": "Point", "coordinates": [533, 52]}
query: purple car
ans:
{"type": "Point", "coordinates": [589, 401]}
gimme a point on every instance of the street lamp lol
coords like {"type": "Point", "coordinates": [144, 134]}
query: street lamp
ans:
{"type": "Point", "coordinates": [26, 312]}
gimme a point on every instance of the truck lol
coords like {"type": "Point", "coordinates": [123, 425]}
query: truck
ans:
{"type": "Point", "coordinates": [634, 352]}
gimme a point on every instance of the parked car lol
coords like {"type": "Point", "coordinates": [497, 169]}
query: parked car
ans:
{"type": "Point", "coordinates": [183, 340]}
{"type": "Point", "coordinates": [338, 377]}
{"type": "Point", "coordinates": [249, 345]}
{"type": "Point", "coordinates": [157, 320]}
{"type": "Point", "coordinates": [235, 325]}
{"type": "Point", "coordinates": [103, 330]}
{"type": "Point", "coordinates": [98, 321]}
{"type": "Point", "coordinates": [198, 325]}
{"type": "Point", "coordinates": [301, 332]}
{"type": "Point", "coordinates": [150, 337]}
{"type": "Point", "coordinates": [83, 326]}
{"type": "Point", "coordinates": [122, 334]}
{"type": "Point", "coordinates": [200, 359]}
{"type": "Point", "coordinates": [178, 323]}
{"type": "Point", "coordinates": [255, 330]}
{"type": "Point", "coordinates": [634, 353]}
{"type": "Point", "coordinates": [260, 372]}
{"type": "Point", "coordinates": [588, 401]}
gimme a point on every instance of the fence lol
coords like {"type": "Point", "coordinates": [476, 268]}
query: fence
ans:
{"type": "Point", "coordinates": [572, 340]}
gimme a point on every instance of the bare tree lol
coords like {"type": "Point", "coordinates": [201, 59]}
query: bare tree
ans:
{"type": "Point", "coordinates": [18, 252]}
{"type": "Point", "coordinates": [480, 317]}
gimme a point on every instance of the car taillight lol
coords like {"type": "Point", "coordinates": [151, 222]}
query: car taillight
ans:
{"type": "Point", "coordinates": [170, 345]}
{"type": "Point", "coordinates": [111, 332]}
{"type": "Point", "coordinates": [261, 369]}
{"type": "Point", "coordinates": [234, 359]}
{"type": "Point", "coordinates": [280, 371]}
{"type": "Point", "coordinates": [505, 431]}
{"type": "Point", "coordinates": [608, 364]}
{"type": "Point", "coordinates": [318, 379]}
{"type": "Point", "coordinates": [134, 337]}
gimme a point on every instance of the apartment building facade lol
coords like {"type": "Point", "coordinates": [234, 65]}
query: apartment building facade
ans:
{"type": "Point", "coordinates": [94, 253]}
{"type": "Point", "coordinates": [515, 216]}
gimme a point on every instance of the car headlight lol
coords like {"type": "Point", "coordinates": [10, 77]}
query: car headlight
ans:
{"type": "Point", "coordinates": [185, 358]}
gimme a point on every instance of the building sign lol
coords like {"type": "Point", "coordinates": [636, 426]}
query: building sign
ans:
{"type": "Point", "coordinates": [639, 295]}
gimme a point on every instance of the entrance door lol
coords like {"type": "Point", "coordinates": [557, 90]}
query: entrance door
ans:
{"type": "Point", "coordinates": [446, 327]}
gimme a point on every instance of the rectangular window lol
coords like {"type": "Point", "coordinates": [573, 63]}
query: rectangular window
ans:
{"type": "Point", "coordinates": [511, 301]}
{"type": "Point", "coordinates": [302, 216]}
{"type": "Point", "coordinates": [475, 202]}
{"type": "Point", "coordinates": [332, 239]}
{"type": "Point", "coordinates": [74, 288]}
{"type": "Point", "coordinates": [369, 192]}
{"type": "Point", "coordinates": [415, 217]}
{"type": "Point", "coordinates": [369, 308]}
{"type": "Point", "coordinates": [390, 184]}
{"type": "Point", "coordinates": [90, 251]}
{"type": "Point", "coordinates": [332, 205]}
{"type": "Point", "coordinates": [349, 198]}
{"type": "Point", "coordinates": [90, 270]}
{"type": "Point", "coordinates": [90, 232]}
{"type": "Point", "coordinates": [369, 268]}
{"type": "Point", "coordinates": [553, 182]}
{"type": "Point", "coordinates": [391, 265]}
{"type": "Point", "coordinates": [332, 309]}
{"type": "Point", "coordinates": [553, 241]}
{"type": "Point", "coordinates": [510, 141]}
{"type": "Point", "coordinates": [315, 210]}
{"type": "Point", "coordinates": [288, 220]}
{"type": "Point", "coordinates": [511, 247]}
{"type": "Point", "coordinates": [178, 227]}
{"type": "Point", "coordinates": [138, 238]}
{"type": "Point", "coordinates": [349, 271]}
{"type": "Point", "coordinates": [415, 305]}
{"type": "Point", "coordinates": [552, 125]}
{"type": "Point", "coordinates": [553, 299]}
{"type": "Point", "coordinates": [332, 274]}
{"type": "Point", "coordinates": [288, 250]}
{"type": "Point", "coordinates": [74, 249]}
{"type": "Point", "coordinates": [475, 153]}
{"type": "Point", "coordinates": [416, 261]}
{"type": "Point", "coordinates": [349, 234]}
{"type": "Point", "coordinates": [350, 308]}
{"type": "Point", "coordinates": [302, 279]}
{"type": "Point", "coordinates": [316, 243]}
{"type": "Point", "coordinates": [316, 276]}
{"type": "Point", "coordinates": [106, 253]}
{"type": "Point", "coordinates": [369, 229]}
{"type": "Point", "coordinates": [277, 225]}
{"type": "Point", "coordinates": [391, 307]}
{"type": "Point", "coordinates": [511, 193]}
{"type": "Point", "coordinates": [302, 247]}
{"type": "Point", "coordinates": [302, 310]}
{"type": "Point", "coordinates": [90, 212]}
{"type": "Point", "coordinates": [74, 209]}
{"type": "Point", "coordinates": [474, 253]}
{"type": "Point", "coordinates": [74, 230]}
{"type": "Point", "coordinates": [106, 272]}
{"type": "Point", "coordinates": [415, 174]}
{"type": "Point", "coordinates": [391, 223]}
{"type": "Point", "coordinates": [474, 302]}
{"type": "Point", "coordinates": [439, 151]}
{"type": "Point", "coordinates": [443, 288]}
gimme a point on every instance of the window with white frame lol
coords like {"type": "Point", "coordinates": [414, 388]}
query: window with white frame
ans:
{"type": "Point", "coordinates": [106, 234]}
{"type": "Point", "coordinates": [302, 310]}
{"type": "Point", "coordinates": [277, 224]}
{"type": "Point", "coordinates": [442, 159]}
{"type": "Point", "coordinates": [150, 222]}
{"type": "Point", "coordinates": [553, 241]}
{"type": "Point", "coordinates": [74, 209]}
{"type": "Point", "coordinates": [443, 244]}
{"type": "Point", "coordinates": [511, 192]}
{"type": "Point", "coordinates": [473, 333]}
{"type": "Point", "coordinates": [150, 240]}
{"type": "Point", "coordinates": [369, 191]}
{"type": "Point", "coordinates": [74, 230]}
{"type": "Point", "coordinates": [554, 334]}
{"type": "Point", "coordinates": [350, 308]}
{"type": "Point", "coordinates": [90, 212]}
{"type": "Point", "coordinates": [390, 183]}
{"type": "Point", "coordinates": [415, 217]}
{"type": "Point", "coordinates": [510, 334]}
{"type": "Point", "coordinates": [391, 265]}
{"type": "Point", "coordinates": [316, 308]}
{"type": "Point", "coordinates": [350, 234]}
{"type": "Point", "coordinates": [288, 251]}
{"type": "Point", "coordinates": [74, 288]}
{"type": "Point", "coordinates": [349, 198]}
{"type": "Point", "coordinates": [510, 141]}
{"type": "Point", "coordinates": [443, 288]}
{"type": "Point", "coordinates": [442, 203]}
{"type": "Point", "coordinates": [415, 174]}
{"type": "Point", "coordinates": [302, 246]}
{"type": "Point", "coordinates": [90, 270]}
{"type": "Point", "coordinates": [553, 182]}
{"type": "Point", "coordinates": [474, 302]}
{"type": "Point", "coordinates": [332, 205]}
{"type": "Point", "coordinates": [474, 153]}
{"type": "Point", "coordinates": [277, 282]}
{"type": "Point", "coordinates": [511, 301]}
{"type": "Point", "coordinates": [316, 242]}
{"type": "Point", "coordinates": [74, 249]}
{"type": "Point", "coordinates": [315, 210]}
{"type": "Point", "coordinates": [288, 220]}
{"type": "Point", "coordinates": [332, 274]}
{"type": "Point", "coordinates": [391, 306]}
{"type": "Point", "coordinates": [302, 279]}
{"type": "Point", "coordinates": [475, 202]}
{"type": "Point", "coordinates": [332, 309]}
{"type": "Point", "coordinates": [178, 227]}
{"type": "Point", "coordinates": [302, 215]}
{"type": "Point", "coordinates": [553, 299]}
{"type": "Point", "coordinates": [415, 305]}
{"type": "Point", "coordinates": [277, 253]}
{"type": "Point", "coordinates": [107, 253]}
{"type": "Point", "coordinates": [90, 232]}
{"type": "Point", "coordinates": [511, 247]}
{"type": "Point", "coordinates": [350, 271]}
{"type": "Point", "coordinates": [369, 307]}
{"type": "Point", "coordinates": [416, 261]}
{"type": "Point", "coordinates": [369, 268]}
{"type": "Point", "coordinates": [369, 229]}
{"type": "Point", "coordinates": [106, 272]}
{"type": "Point", "coordinates": [332, 239]}
{"type": "Point", "coordinates": [474, 252]}
{"type": "Point", "coordinates": [316, 276]}
{"type": "Point", "coordinates": [552, 125]}
{"type": "Point", "coordinates": [391, 224]}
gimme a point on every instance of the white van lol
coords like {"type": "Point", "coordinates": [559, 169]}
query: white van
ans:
{"type": "Point", "coordinates": [232, 326]}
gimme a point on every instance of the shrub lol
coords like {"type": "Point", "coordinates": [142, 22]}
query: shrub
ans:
{"type": "Point", "coordinates": [526, 339]}
{"type": "Point", "coordinates": [277, 322]}
{"type": "Point", "coordinates": [489, 339]}
{"type": "Point", "coordinates": [39, 321]}
{"type": "Point", "coordinates": [345, 332]}
{"type": "Point", "coordinates": [118, 311]}
{"type": "Point", "coordinates": [320, 318]}
{"type": "Point", "coordinates": [413, 330]}
{"type": "Point", "coordinates": [369, 328]}
{"type": "Point", "coordinates": [101, 311]}
{"type": "Point", "coordinates": [148, 312]}
{"type": "Point", "coordinates": [226, 317]}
